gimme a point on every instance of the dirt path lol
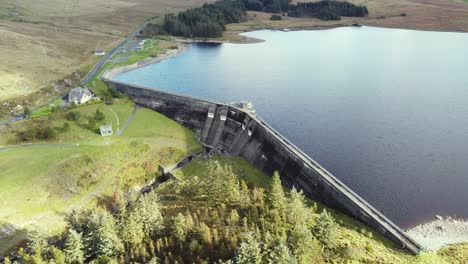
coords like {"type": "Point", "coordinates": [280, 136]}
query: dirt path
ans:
{"type": "Point", "coordinates": [130, 118]}
{"type": "Point", "coordinates": [40, 145]}
{"type": "Point", "coordinates": [116, 117]}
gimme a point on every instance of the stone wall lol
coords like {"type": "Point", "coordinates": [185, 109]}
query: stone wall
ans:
{"type": "Point", "coordinates": [236, 131]}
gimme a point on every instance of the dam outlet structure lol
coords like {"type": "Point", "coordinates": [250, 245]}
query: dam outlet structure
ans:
{"type": "Point", "coordinates": [238, 131]}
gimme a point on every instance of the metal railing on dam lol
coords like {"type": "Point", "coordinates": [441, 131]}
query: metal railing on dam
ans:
{"type": "Point", "coordinates": [237, 131]}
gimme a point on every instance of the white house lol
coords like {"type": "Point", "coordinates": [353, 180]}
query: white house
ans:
{"type": "Point", "coordinates": [99, 52]}
{"type": "Point", "coordinates": [79, 95]}
{"type": "Point", "coordinates": [106, 130]}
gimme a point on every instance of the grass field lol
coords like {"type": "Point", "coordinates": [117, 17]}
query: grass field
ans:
{"type": "Point", "coordinates": [80, 168]}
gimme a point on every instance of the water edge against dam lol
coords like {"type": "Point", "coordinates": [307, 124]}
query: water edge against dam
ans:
{"type": "Point", "coordinates": [381, 109]}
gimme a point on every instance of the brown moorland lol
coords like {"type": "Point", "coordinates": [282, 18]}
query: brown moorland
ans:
{"type": "Point", "coordinates": [41, 42]}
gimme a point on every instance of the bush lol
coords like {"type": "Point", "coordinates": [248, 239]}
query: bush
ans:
{"type": "Point", "coordinates": [40, 131]}
{"type": "Point", "coordinates": [73, 116]}
{"type": "Point", "coordinates": [276, 17]}
{"type": "Point", "coordinates": [66, 126]}
{"type": "Point", "coordinates": [91, 123]}
{"type": "Point", "coordinates": [99, 116]}
{"type": "Point", "coordinates": [27, 110]}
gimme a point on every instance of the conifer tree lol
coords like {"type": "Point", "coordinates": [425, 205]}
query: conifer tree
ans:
{"type": "Point", "coordinates": [276, 197]}
{"type": "Point", "coordinates": [57, 255]}
{"type": "Point", "coordinates": [38, 244]}
{"type": "Point", "coordinates": [277, 251]}
{"type": "Point", "coordinates": [304, 246]}
{"type": "Point", "coordinates": [101, 238]}
{"type": "Point", "coordinates": [249, 251]}
{"type": "Point", "coordinates": [180, 227]}
{"type": "Point", "coordinates": [132, 229]}
{"type": "Point", "coordinates": [149, 213]}
{"type": "Point", "coordinates": [326, 229]}
{"type": "Point", "coordinates": [298, 212]}
{"type": "Point", "coordinates": [74, 248]}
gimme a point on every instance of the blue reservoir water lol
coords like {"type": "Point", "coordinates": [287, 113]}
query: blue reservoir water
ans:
{"type": "Point", "coordinates": [384, 110]}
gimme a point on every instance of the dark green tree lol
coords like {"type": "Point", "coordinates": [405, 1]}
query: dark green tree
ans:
{"type": "Point", "coordinates": [99, 116]}
{"type": "Point", "coordinates": [326, 229]}
{"type": "Point", "coordinates": [74, 253]}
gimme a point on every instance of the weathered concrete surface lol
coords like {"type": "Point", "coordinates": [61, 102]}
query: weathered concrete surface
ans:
{"type": "Point", "coordinates": [238, 132]}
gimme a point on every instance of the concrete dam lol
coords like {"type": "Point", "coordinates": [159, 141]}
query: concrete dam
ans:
{"type": "Point", "coordinates": [238, 131]}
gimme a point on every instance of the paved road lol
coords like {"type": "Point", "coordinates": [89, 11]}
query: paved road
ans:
{"type": "Point", "coordinates": [109, 55]}
{"type": "Point", "coordinates": [13, 119]}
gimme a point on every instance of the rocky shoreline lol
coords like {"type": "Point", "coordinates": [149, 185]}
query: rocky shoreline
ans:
{"type": "Point", "coordinates": [440, 232]}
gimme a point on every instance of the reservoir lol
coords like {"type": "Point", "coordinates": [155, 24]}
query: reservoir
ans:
{"type": "Point", "coordinates": [384, 110]}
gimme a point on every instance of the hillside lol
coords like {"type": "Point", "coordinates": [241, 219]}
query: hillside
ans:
{"type": "Point", "coordinates": [44, 43]}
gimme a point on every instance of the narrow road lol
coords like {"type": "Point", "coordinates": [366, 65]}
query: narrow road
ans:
{"type": "Point", "coordinates": [130, 118]}
{"type": "Point", "coordinates": [111, 53]}
{"type": "Point", "coordinates": [13, 119]}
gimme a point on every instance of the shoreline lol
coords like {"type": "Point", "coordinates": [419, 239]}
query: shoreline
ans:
{"type": "Point", "coordinates": [440, 233]}
{"type": "Point", "coordinates": [109, 74]}
{"type": "Point", "coordinates": [183, 43]}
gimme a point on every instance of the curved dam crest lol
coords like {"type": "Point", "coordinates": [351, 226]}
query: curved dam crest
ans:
{"type": "Point", "coordinates": [237, 131]}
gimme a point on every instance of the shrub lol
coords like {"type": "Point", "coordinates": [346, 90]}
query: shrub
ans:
{"type": "Point", "coordinates": [91, 123]}
{"type": "Point", "coordinates": [66, 126]}
{"type": "Point", "coordinates": [73, 116]}
{"type": "Point", "coordinates": [27, 110]}
{"type": "Point", "coordinates": [99, 116]}
{"type": "Point", "coordinates": [276, 17]}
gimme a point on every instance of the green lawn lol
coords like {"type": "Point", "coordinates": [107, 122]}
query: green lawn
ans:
{"type": "Point", "coordinates": [39, 183]}
{"type": "Point", "coordinates": [150, 124]}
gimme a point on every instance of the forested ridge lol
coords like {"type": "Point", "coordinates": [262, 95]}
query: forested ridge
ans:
{"type": "Point", "coordinates": [327, 10]}
{"type": "Point", "coordinates": [209, 20]}
{"type": "Point", "coordinates": [214, 218]}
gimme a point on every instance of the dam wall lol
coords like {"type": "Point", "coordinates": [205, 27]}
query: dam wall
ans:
{"type": "Point", "coordinates": [237, 131]}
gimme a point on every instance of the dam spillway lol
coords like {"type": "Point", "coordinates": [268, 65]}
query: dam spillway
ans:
{"type": "Point", "coordinates": [237, 131]}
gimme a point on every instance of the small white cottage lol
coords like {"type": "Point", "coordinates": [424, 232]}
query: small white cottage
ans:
{"type": "Point", "coordinates": [106, 130]}
{"type": "Point", "coordinates": [99, 53]}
